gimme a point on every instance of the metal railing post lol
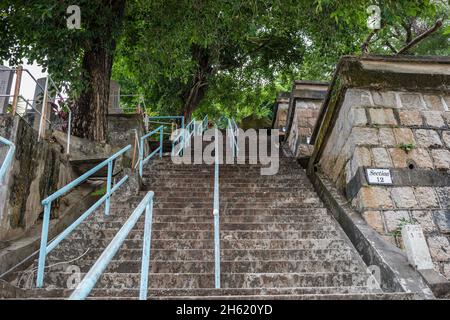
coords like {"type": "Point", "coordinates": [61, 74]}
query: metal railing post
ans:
{"type": "Point", "coordinates": [141, 157]}
{"type": "Point", "coordinates": [146, 249]}
{"type": "Point", "coordinates": [69, 130]}
{"type": "Point", "coordinates": [43, 247]}
{"type": "Point", "coordinates": [161, 138]}
{"type": "Point", "coordinates": [216, 213]}
{"type": "Point", "coordinates": [19, 72]}
{"type": "Point", "coordinates": [108, 188]}
{"type": "Point", "coordinates": [43, 111]}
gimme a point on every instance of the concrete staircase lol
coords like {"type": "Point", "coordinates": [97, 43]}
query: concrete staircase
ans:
{"type": "Point", "coordinates": [278, 241]}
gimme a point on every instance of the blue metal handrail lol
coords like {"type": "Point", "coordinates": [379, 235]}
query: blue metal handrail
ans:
{"type": "Point", "coordinates": [87, 284]}
{"type": "Point", "coordinates": [47, 203]}
{"type": "Point", "coordinates": [233, 132]}
{"type": "Point", "coordinates": [178, 140]}
{"type": "Point", "coordinates": [189, 132]}
{"type": "Point", "coordinates": [169, 117]}
{"type": "Point", "coordinates": [143, 161]}
{"type": "Point", "coordinates": [205, 124]}
{"type": "Point", "coordinates": [216, 212]}
{"type": "Point", "coordinates": [8, 158]}
{"type": "Point", "coordinates": [184, 137]}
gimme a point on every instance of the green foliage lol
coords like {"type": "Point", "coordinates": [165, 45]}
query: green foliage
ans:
{"type": "Point", "coordinates": [37, 30]}
{"type": "Point", "coordinates": [99, 192]}
{"type": "Point", "coordinates": [257, 48]}
{"type": "Point", "coordinates": [245, 52]}
{"type": "Point", "coordinates": [407, 147]}
{"type": "Point", "coordinates": [402, 222]}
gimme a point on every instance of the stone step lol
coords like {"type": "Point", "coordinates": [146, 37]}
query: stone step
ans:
{"type": "Point", "coordinates": [222, 166]}
{"type": "Point", "coordinates": [126, 209]}
{"type": "Point", "coordinates": [224, 174]}
{"type": "Point", "coordinates": [133, 266]}
{"type": "Point", "coordinates": [203, 207]}
{"type": "Point", "coordinates": [224, 218]}
{"type": "Point", "coordinates": [246, 185]}
{"type": "Point", "coordinates": [280, 204]}
{"type": "Point", "coordinates": [222, 293]}
{"type": "Point", "coordinates": [259, 244]}
{"type": "Point", "coordinates": [257, 198]}
{"type": "Point", "coordinates": [173, 226]}
{"type": "Point", "coordinates": [64, 253]}
{"type": "Point", "coordinates": [321, 296]}
{"type": "Point", "coordinates": [229, 190]}
{"type": "Point", "coordinates": [237, 178]}
{"type": "Point", "coordinates": [231, 195]}
{"type": "Point", "coordinates": [208, 235]}
{"type": "Point", "coordinates": [260, 297]}
{"type": "Point", "coordinates": [206, 280]}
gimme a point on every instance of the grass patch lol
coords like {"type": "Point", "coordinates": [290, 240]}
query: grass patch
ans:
{"type": "Point", "coordinates": [99, 192]}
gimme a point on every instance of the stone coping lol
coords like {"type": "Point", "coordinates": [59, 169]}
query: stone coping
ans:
{"type": "Point", "coordinates": [305, 90]}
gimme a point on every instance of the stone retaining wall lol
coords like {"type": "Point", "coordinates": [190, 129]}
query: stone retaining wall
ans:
{"type": "Point", "coordinates": [304, 105]}
{"type": "Point", "coordinates": [37, 170]}
{"type": "Point", "coordinates": [369, 123]}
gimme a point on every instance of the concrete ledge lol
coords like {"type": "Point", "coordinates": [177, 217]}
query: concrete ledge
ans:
{"type": "Point", "coordinates": [438, 284]}
{"type": "Point", "coordinates": [396, 273]}
{"type": "Point", "coordinates": [8, 291]}
{"type": "Point", "coordinates": [25, 248]}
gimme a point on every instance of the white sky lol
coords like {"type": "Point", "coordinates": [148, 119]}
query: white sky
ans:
{"type": "Point", "coordinates": [28, 85]}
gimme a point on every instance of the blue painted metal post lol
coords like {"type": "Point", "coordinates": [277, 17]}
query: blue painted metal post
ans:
{"type": "Point", "coordinates": [161, 137]}
{"type": "Point", "coordinates": [8, 158]}
{"type": "Point", "coordinates": [141, 157]}
{"type": "Point", "coordinates": [146, 250]}
{"type": "Point", "coordinates": [216, 213]}
{"type": "Point", "coordinates": [43, 248]}
{"type": "Point", "coordinates": [108, 188]}
{"type": "Point", "coordinates": [217, 249]}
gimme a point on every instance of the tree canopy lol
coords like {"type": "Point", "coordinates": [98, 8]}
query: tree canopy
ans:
{"type": "Point", "coordinates": [234, 56]}
{"type": "Point", "coordinates": [226, 57]}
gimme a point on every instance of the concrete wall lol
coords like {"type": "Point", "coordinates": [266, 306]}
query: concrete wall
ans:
{"type": "Point", "coordinates": [38, 169]}
{"type": "Point", "coordinates": [368, 126]}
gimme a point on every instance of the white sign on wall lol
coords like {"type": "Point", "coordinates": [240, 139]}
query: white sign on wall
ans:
{"type": "Point", "coordinates": [379, 176]}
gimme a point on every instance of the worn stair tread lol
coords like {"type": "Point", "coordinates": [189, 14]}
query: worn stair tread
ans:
{"type": "Point", "coordinates": [278, 240]}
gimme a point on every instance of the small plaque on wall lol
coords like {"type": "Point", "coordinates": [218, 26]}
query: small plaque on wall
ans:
{"type": "Point", "coordinates": [379, 176]}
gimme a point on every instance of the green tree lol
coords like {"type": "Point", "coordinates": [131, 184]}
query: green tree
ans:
{"type": "Point", "coordinates": [223, 55]}
{"type": "Point", "coordinates": [80, 59]}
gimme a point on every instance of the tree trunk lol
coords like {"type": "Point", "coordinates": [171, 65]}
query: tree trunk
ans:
{"type": "Point", "coordinates": [196, 90]}
{"type": "Point", "coordinates": [90, 114]}
{"type": "Point", "coordinates": [89, 118]}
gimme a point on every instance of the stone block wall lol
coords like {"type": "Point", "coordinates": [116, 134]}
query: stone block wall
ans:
{"type": "Point", "coordinates": [304, 105]}
{"type": "Point", "coordinates": [405, 130]}
{"type": "Point", "coordinates": [305, 116]}
{"type": "Point", "coordinates": [280, 112]}
{"type": "Point", "coordinates": [37, 170]}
